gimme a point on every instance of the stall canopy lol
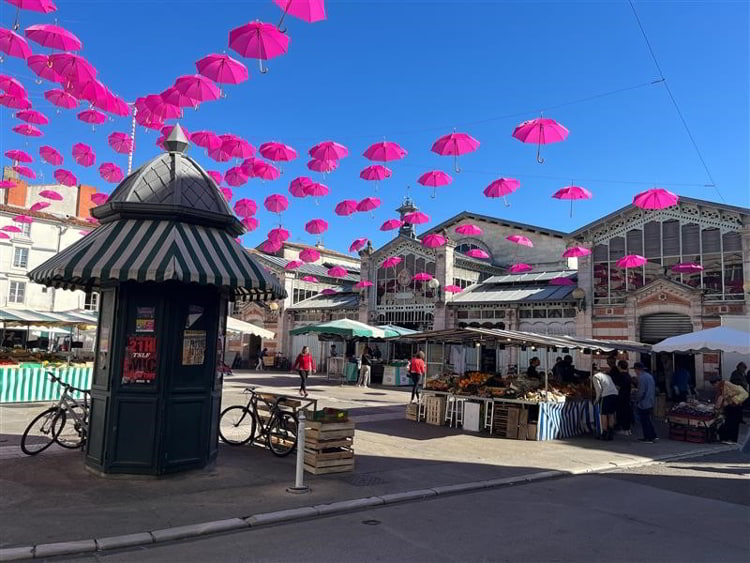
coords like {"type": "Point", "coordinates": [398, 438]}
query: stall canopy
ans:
{"type": "Point", "coordinates": [343, 328]}
{"type": "Point", "coordinates": [236, 325]}
{"type": "Point", "coordinates": [719, 339]}
{"type": "Point", "coordinates": [17, 317]}
{"type": "Point", "coordinates": [393, 330]}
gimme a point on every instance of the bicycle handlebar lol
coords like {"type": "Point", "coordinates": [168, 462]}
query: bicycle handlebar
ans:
{"type": "Point", "coordinates": [59, 381]}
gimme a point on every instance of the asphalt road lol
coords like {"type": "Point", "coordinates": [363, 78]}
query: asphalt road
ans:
{"type": "Point", "coordinates": [691, 510]}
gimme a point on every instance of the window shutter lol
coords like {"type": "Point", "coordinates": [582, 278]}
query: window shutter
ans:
{"type": "Point", "coordinates": [616, 248]}
{"type": "Point", "coordinates": [671, 238]}
{"type": "Point", "coordinates": [635, 241]}
{"type": "Point", "coordinates": [690, 241]}
{"type": "Point", "coordinates": [711, 240]}
{"type": "Point", "coordinates": [652, 236]}
{"type": "Point", "coordinates": [601, 253]}
{"type": "Point", "coordinates": [732, 242]}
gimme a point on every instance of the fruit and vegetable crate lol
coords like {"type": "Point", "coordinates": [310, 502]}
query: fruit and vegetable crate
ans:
{"type": "Point", "coordinates": [435, 410]}
{"type": "Point", "coordinates": [329, 447]}
{"type": "Point", "coordinates": [412, 411]}
{"type": "Point", "coordinates": [328, 415]}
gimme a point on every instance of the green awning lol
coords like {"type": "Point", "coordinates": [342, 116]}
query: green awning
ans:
{"type": "Point", "coordinates": [393, 330]}
{"type": "Point", "coordinates": [345, 328]}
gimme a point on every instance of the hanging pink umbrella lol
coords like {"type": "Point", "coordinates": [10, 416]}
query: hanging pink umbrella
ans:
{"type": "Point", "coordinates": [278, 152]}
{"type": "Point", "coordinates": [197, 87]}
{"type": "Point", "coordinates": [311, 279]}
{"type": "Point", "coordinates": [384, 151]}
{"type": "Point", "coordinates": [309, 255]}
{"type": "Point", "coordinates": [540, 131]}
{"type": "Point", "coordinates": [227, 193]}
{"type": "Point", "coordinates": [13, 44]}
{"type": "Point", "coordinates": [25, 171]}
{"type": "Point", "coordinates": [19, 155]}
{"type": "Point", "coordinates": [206, 139]}
{"type": "Point", "coordinates": [110, 172]}
{"type": "Point", "coordinates": [501, 188]}
{"type": "Point", "coordinates": [338, 272]}
{"type": "Point", "coordinates": [328, 291]}
{"type": "Point", "coordinates": [520, 268]}
{"type": "Point", "coordinates": [368, 204]}
{"type": "Point", "coordinates": [272, 246]}
{"type": "Point", "coordinates": [99, 198]}
{"type": "Point", "coordinates": [92, 117]}
{"type": "Point", "coordinates": [520, 239]}
{"type": "Point", "coordinates": [375, 172]}
{"type": "Point", "coordinates": [264, 170]}
{"type": "Point", "coordinates": [32, 116]}
{"type": "Point", "coordinates": [324, 166]}
{"type": "Point", "coordinates": [297, 187]}
{"type": "Point", "coordinates": [61, 99]}
{"type": "Point", "coordinates": [293, 264]}
{"type": "Point", "coordinates": [245, 207]}
{"type": "Point", "coordinates": [247, 167]}
{"type": "Point", "coordinates": [391, 262]}
{"type": "Point", "coordinates": [576, 252]}
{"type": "Point", "coordinates": [309, 11]}
{"type": "Point", "coordinates": [3, 236]}
{"type": "Point", "coordinates": [363, 284]}
{"type": "Point", "coordinates": [12, 86]}
{"type": "Point", "coordinates": [50, 155]}
{"type": "Point", "coordinates": [317, 191]}
{"type": "Point", "coordinates": [11, 229]}
{"type": "Point", "coordinates": [435, 179]}
{"type": "Point", "coordinates": [455, 144]}
{"type": "Point", "coordinates": [561, 281]}
{"type": "Point", "coordinates": [477, 253]}
{"type": "Point", "coordinates": [631, 261]}
{"type": "Point", "coordinates": [73, 68]}
{"type": "Point", "coordinates": [219, 155]}
{"type": "Point", "coordinates": [222, 68]}
{"type": "Point", "coordinates": [121, 142]}
{"type": "Point", "coordinates": [14, 102]}
{"type": "Point", "coordinates": [250, 223]}
{"type": "Point", "coordinates": [237, 147]}
{"type": "Point", "coordinates": [23, 219]}
{"type": "Point", "coordinates": [41, 6]}
{"type": "Point", "coordinates": [358, 244]}
{"type": "Point", "coordinates": [655, 198]}
{"type": "Point", "coordinates": [416, 218]}
{"type": "Point", "coordinates": [572, 193]}
{"type": "Point", "coordinates": [53, 37]}
{"type": "Point", "coordinates": [216, 175]}
{"type": "Point", "coordinates": [160, 109]}
{"type": "Point", "coordinates": [92, 220]}
{"type": "Point", "coordinates": [39, 65]}
{"type": "Point", "coordinates": [468, 230]}
{"type": "Point", "coordinates": [39, 205]}
{"type": "Point", "coordinates": [51, 195]}
{"type": "Point", "coordinates": [391, 224]}
{"type": "Point", "coordinates": [433, 241]}
{"type": "Point", "coordinates": [452, 289]}
{"type": "Point", "coordinates": [687, 268]}
{"type": "Point", "coordinates": [7, 184]}
{"type": "Point", "coordinates": [174, 97]}
{"type": "Point", "coordinates": [84, 154]}
{"type": "Point", "coordinates": [346, 207]}
{"type": "Point", "coordinates": [92, 91]}
{"type": "Point", "coordinates": [27, 130]}
{"type": "Point", "coordinates": [258, 40]}
{"type": "Point", "coordinates": [65, 177]}
{"type": "Point", "coordinates": [279, 234]}
{"type": "Point", "coordinates": [235, 176]}
{"type": "Point", "coordinates": [421, 276]}
{"type": "Point", "coordinates": [276, 203]}
{"type": "Point", "coordinates": [316, 226]}
{"type": "Point", "coordinates": [328, 150]}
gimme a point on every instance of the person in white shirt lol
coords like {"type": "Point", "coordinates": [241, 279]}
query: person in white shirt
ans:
{"type": "Point", "coordinates": [606, 398]}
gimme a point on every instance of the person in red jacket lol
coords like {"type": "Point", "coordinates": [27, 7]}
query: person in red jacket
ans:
{"type": "Point", "coordinates": [305, 365]}
{"type": "Point", "coordinates": [417, 369]}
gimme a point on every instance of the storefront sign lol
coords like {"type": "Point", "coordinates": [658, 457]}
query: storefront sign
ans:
{"type": "Point", "coordinates": [193, 347]}
{"type": "Point", "coordinates": [145, 319]}
{"type": "Point", "coordinates": [141, 360]}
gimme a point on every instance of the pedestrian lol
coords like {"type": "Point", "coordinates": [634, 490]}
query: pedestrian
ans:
{"type": "Point", "coordinates": [729, 399]}
{"type": "Point", "coordinates": [365, 368]}
{"type": "Point", "coordinates": [621, 379]}
{"type": "Point", "coordinates": [417, 370]}
{"type": "Point", "coordinates": [263, 354]}
{"type": "Point", "coordinates": [606, 398]}
{"type": "Point", "coordinates": [531, 372]}
{"type": "Point", "coordinates": [305, 364]}
{"type": "Point", "coordinates": [557, 369]}
{"type": "Point", "coordinates": [680, 384]}
{"type": "Point", "coordinates": [739, 376]}
{"type": "Point", "coordinates": [334, 352]}
{"type": "Point", "coordinates": [645, 397]}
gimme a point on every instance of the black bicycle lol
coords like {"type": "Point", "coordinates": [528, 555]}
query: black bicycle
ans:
{"type": "Point", "coordinates": [238, 424]}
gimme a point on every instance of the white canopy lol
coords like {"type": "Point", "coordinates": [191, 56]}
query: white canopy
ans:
{"type": "Point", "coordinates": [719, 339]}
{"type": "Point", "coordinates": [236, 325]}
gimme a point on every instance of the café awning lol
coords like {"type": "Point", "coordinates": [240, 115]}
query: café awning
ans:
{"type": "Point", "coordinates": [24, 317]}
{"type": "Point", "coordinates": [344, 328]}
{"type": "Point", "coordinates": [236, 325]}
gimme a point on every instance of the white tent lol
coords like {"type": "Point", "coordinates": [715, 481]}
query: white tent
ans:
{"type": "Point", "coordinates": [236, 325]}
{"type": "Point", "coordinates": [719, 339]}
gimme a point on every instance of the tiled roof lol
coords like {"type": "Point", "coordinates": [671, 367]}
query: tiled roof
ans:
{"type": "Point", "coordinates": [497, 293]}
{"type": "Point", "coordinates": [341, 300]}
{"type": "Point", "coordinates": [48, 216]}
{"type": "Point", "coordinates": [530, 277]}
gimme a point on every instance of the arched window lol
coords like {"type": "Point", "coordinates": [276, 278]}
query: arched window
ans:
{"type": "Point", "coordinates": [395, 286]}
{"type": "Point", "coordinates": [471, 244]}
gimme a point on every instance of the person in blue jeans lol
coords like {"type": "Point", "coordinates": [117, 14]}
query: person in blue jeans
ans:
{"type": "Point", "coordinates": [645, 397]}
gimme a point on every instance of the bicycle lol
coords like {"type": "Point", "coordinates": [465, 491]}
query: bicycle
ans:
{"type": "Point", "coordinates": [51, 425]}
{"type": "Point", "coordinates": [237, 424]}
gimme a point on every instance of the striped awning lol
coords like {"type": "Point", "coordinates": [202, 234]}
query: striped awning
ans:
{"type": "Point", "coordinates": [11, 316]}
{"type": "Point", "coordinates": [146, 250]}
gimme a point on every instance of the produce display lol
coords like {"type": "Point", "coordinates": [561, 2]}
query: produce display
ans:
{"type": "Point", "coordinates": [19, 357]}
{"type": "Point", "coordinates": [693, 409]}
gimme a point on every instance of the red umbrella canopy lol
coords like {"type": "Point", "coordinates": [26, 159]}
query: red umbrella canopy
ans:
{"type": "Point", "coordinates": [384, 151]}
{"type": "Point", "coordinates": [219, 155]}
{"type": "Point", "coordinates": [216, 175]}
{"type": "Point", "coordinates": [222, 68]}
{"type": "Point", "coordinates": [73, 68]}
{"type": "Point", "coordinates": [206, 139]}
{"type": "Point", "coordinates": [363, 284]}
{"type": "Point", "coordinates": [61, 99]}
{"type": "Point", "coordinates": [293, 264]}
{"type": "Point", "coordinates": [99, 198]}
{"type": "Point", "coordinates": [278, 152]}
{"type": "Point", "coordinates": [540, 131]}
{"type": "Point", "coordinates": [338, 272]}
{"type": "Point", "coordinates": [391, 225]}
{"type": "Point", "coordinates": [316, 189]}
{"type": "Point", "coordinates": [247, 167]}
{"type": "Point", "coordinates": [655, 198]}
{"type": "Point", "coordinates": [435, 179]}
{"type": "Point", "coordinates": [572, 193]}
{"type": "Point", "coordinates": [391, 262]}
{"type": "Point", "coordinates": [298, 186]}
{"type": "Point", "coordinates": [23, 219]}
{"type": "Point", "coordinates": [39, 205]}
{"type": "Point", "coordinates": [13, 44]}
{"type": "Point", "coordinates": [276, 203]}
{"type": "Point", "coordinates": [236, 177]}
{"type": "Point", "coordinates": [28, 130]}
{"type": "Point", "coordinates": [279, 234]}
{"type": "Point", "coordinates": [368, 204]}
{"type": "Point", "coordinates": [452, 289]}
{"type": "Point", "coordinates": [576, 252]}
{"type": "Point", "coordinates": [258, 40]}
{"type": "Point", "coordinates": [324, 166]}
{"type": "Point", "coordinates": [10, 229]}
{"type": "Point", "coordinates": [84, 154]}
{"type": "Point", "coordinates": [520, 268]}
{"type": "Point", "coordinates": [265, 170]}
{"type": "Point", "coordinates": [455, 144]}
{"type": "Point", "coordinates": [227, 193]}
{"type": "Point", "coordinates": [14, 102]}
{"type": "Point", "coordinates": [416, 218]}
{"type": "Point", "coordinates": [346, 208]}
{"type": "Point", "coordinates": [92, 116]}
{"type": "Point", "coordinates": [120, 142]}
{"type": "Point", "coordinates": [520, 239]}
{"type": "Point", "coordinates": [53, 37]}
{"type": "Point", "coordinates": [32, 116]}
{"type": "Point", "coordinates": [631, 261]}
{"type": "Point", "coordinates": [309, 11]}
{"type": "Point", "coordinates": [50, 155]}
{"type": "Point", "coordinates": [358, 244]}
{"type": "Point", "coordinates": [39, 64]}
{"type": "Point", "coordinates": [12, 87]}
{"type": "Point", "coordinates": [250, 223]}
{"type": "Point", "coordinates": [92, 91]}
{"type": "Point", "coordinates": [316, 226]}
{"type": "Point", "coordinates": [433, 241]}
{"type": "Point", "coordinates": [502, 187]}
{"type": "Point", "coordinates": [236, 146]}
{"type": "Point", "coordinates": [421, 276]}
{"type": "Point", "coordinates": [311, 279]}
{"type": "Point", "coordinates": [161, 109]}
{"type": "Point", "coordinates": [19, 155]}
{"type": "Point", "coordinates": [272, 246]}
{"type": "Point", "coordinates": [328, 150]}
{"type": "Point", "coordinates": [174, 97]}
{"type": "Point", "coordinates": [110, 172]}
{"type": "Point", "coordinates": [25, 171]}
{"type": "Point", "coordinates": [197, 87]}
{"type": "Point", "coordinates": [51, 194]}
{"type": "Point", "coordinates": [309, 255]}
{"type": "Point", "coordinates": [245, 207]}
{"type": "Point", "coordinates": [65, 177]}
{"type": "Point", "coordinates": [478, 253]}
{"type": "Point", "coordinates": [375, 172]}
{"type": "Point", "coordinates": [468, 230]}
{"type": "Point", "coordinates": [41, 6]}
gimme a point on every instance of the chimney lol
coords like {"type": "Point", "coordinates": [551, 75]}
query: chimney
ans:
{"type": "Point", "coordinates": [16, 196]}
{"type": "Point", "coordinates": [84, 204]}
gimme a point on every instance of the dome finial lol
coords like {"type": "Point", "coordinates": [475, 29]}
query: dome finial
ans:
{"type": "Point", "coordinates": [177, 141]}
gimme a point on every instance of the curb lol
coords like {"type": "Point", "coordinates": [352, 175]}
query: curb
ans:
{"type": "Point", "coordinates": [319, 510]}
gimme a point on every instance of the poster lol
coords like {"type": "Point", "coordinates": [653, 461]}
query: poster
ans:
{"type": "Point", "coordinates": [145, 319]}
{"type": "Point", "coordinates": [141, 360]}
{"type": "Point", "coordinates": [195, 312]}
{"type": "Point", "coordinates": [193, 347]}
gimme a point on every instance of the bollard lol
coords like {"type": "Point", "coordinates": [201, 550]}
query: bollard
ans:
{"type": "Point", "coordinates": [299, 477]}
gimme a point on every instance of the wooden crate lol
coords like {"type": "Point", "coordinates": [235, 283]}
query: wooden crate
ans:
{"type": "Point", "coordinates": [532, 430]}
{"type": "Point", "coordinates": [499, 419]}
{"type": "Point", "coordinates": [412, 411]}
{"type": "Point", "coordinates": [435, 410]}
{"type": "Point", "coordinates": [329, 447]}
{"type": "Point", "coordinates": [511, 429]}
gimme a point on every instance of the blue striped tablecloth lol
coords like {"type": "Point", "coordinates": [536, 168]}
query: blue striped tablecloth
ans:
{"type": "Point", "coordinates": [19, 385]}
{"type": "Point", "coordinates": [568, 419]}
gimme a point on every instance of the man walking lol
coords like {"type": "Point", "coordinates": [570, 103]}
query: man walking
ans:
{"type": "Point", "coordinates": [645, 396]}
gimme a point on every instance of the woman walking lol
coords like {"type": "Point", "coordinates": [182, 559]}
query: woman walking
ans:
{"type": "Point", "coordinates": [305, 365]}
{"type": "Point", "coordinates": [417, 369]}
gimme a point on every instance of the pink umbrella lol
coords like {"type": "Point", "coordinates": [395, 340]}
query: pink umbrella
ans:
{"type": "Point", "coordinates": [23, 219]}
{"type": "Point", "coordinates": [27, 130]}
{"type": "Point", "coordinates": [571, 193]}
{"type": "Point", "coordinates": [161, 109]}
{"type": "Point", "coordinates": [520, 239]}
{"type": "Point", "coordinates": [51, 195]}
{"type": "Point", "coordinates": [41, 6]}
{"type": "Point", "coordinates": [363, 284]}
{"type": "Point", "coordinates": [258, 40]}
{"type": "Point", "coordinates": [541, 131]}
{"type": "Point", "coordinates": [272, 246]}
{"type": "Point", "coordinates": [687, 268]}
{"type": "Point", "coordinates": [576, 252]}
{"type": "Point", "coordinates": [264, 170]}
{"type": "Point", "coordinates": [338, 272]}
{"type": "Point", "coordinates": [561, 281]}
{"type": "Point", "coordinates": [25, 171]}
{"type": "Point", "coordinates": [455, 144]}
{"type": "Point", "coordinates": [279, 234]}
{"type": "Point", "coordinates": [237, 147]}
{"type": "Point", "coordinates": [655, 198]}
{"type": "Point", "coordinates": [92, 117]}
{"type": "Point", "coordinates": [391, 262]}
{"type": "Point", "coordinates": [7, 184]}
{"type": "Point", "coordinates": [245, 207]}
{"type": "Point", "coordinates": [53, 37]}
{"type": "Point", "coordinates": [14, 102]}
{"type": "Point", "coordinates": [452, 289]}
{"type": "Point", "coordinates": [222, 68]}
{"type": "Point", "coordinates": [416, 218]}
{"type": "Point", "coordinates": [84, 154]}
{"type": "Point", "coordinates": [65, 177]}
{"type": "Point", "coordinates": [358, 244]}
{"type": "Point", "coordinates": [293, 264]}
{"type": "Point", "coordinates": [61, 99]}
{"type": "Point", "coordinates": [316, 226]}
{"type": "Point", "coordinates": [50, 155]}
{"type": "Point", "coordinates": [32, 116]}
{"type": "Point", "coordinates": [297, 187]}
{"type": "Point", "coordinates": [311, 279]}
{"type": "Point", "coordinates": [278, 152]}
{"type": "Point", "coordinates": [121, 142]}
{"type": "Point", "coordinates": [12, 86]}
{"type": "Point", "coordinates": [92, 91]}
{"type": "Point", "coordinates": [520, 268]}
{"type": "Point", "coordinates": [276, 203]}
{"type": "Point", "coordinates": [110, 172]}
{"type": "Point", "coordinates": [39, 64]}
{"type": "Point", "coordinates": [435, 179]}
{"type": "Point", "coordinates": [219, 155]}
{"type": "Point", "coordinates": [92, 220]}
{"type": "Point", "coordinates": [235, 176]}
{"type": "Point", "coordinates": [324, 166]}
{"type": "Point", "coordinates": [197, 87]}
{"type": "Point", "coordinates": [250, 223]}
{"type": "Point", "coordinates": [421, 276]}
{"type": "Point", "coordinates": [368, 204]}
{"type": "Point", "coordinates": [346, 208]}
{"type": "Point", "coordinates": [73, 68]}
{"type": "Point", "coordinates": [216, 175]}
{"type": "Point", "coordinates": [309, 11]}
{"type": "Point", "coordinates": [478, 253]}
{"type": "Point", "coordinates": [468, 230]}
{"type": "Point", "coordinates": [11, 229]}
{"type": "Point", "coordinates": [174, 97]}
{"type": "Point", "coordinates": [501, 188]}
{"type": "Point", "coordinates": [13, 44]}
{"type": "Point", "coordinates": [433, 241]}
{"type": "Point", "coordinates": [631, 261]}
{"type": "Point", "coordinates": [328, 150]}
{"type": "Point", "coordinates": [384, 151]}
{"type": "Point", "coordinates": [227, 193]}
{"type": "Point", "coordinates": [3, 236]}
{"type": "Point", "coordinates": [99, 198]}
{"type": "Point", "coordinates": [206, 139]}
{"type": "Point", "coordinates": [39, 205]}
{"type": "Point", "coordinates": [328, 291]}
{"type": "Point", "coordinates": [375, 172]}
{"type": "Point", "coordinates": [19, 155]}
{"type": "Point", "coordinates": [309, 255]}
{"type": "Point", "coordinates": [247, 167]}
{"type": "Point", "coordinates": [391, 224]}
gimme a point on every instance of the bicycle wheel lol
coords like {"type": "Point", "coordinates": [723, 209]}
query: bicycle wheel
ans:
{"type": "Point", "coordinates": [68, 431]}
{"type": "Point", "coordinates": [282, 434]}
{"type": "Point", "coordinates": [39, 434]}
{"type": "Point", "coordinates": [237, 425]}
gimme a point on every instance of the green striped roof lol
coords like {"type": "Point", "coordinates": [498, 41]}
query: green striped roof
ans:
{"type": "Point", "coordinates": [13, 316]}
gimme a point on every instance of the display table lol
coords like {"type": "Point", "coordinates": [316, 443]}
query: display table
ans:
{"type": "Point", "coordinates": [32, 384]}
{"type": "Point", "coordinates": [396, 376]}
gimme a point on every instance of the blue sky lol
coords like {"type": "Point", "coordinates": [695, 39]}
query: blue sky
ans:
{"type": "Point", "coordinates": [412, 71]}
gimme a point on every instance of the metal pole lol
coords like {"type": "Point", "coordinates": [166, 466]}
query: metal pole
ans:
{"type": "Point", "coordinates": [132, 141]}
{"type": "Point", "coordinates": [299, 485]}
